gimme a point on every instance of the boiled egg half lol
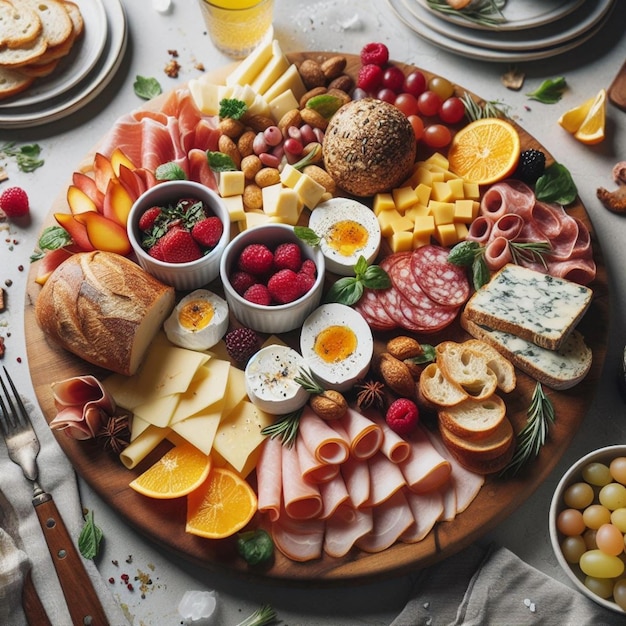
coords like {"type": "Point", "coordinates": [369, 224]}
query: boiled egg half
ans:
{"type": "Point", "coordinates": [198, 321]}
{"type": "Point", "coordinates": [270, 380]}
{"type": "Point", "coordinates": [347, 230]}
{"type": "Point", "coordinates": [337, 345]}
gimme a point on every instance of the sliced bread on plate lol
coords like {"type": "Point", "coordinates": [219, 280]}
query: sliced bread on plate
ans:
{"type": "Point", "coordinates": [19, 24]}
{"type": "Point", "coordinates": [434, 389]}
{"type": "Point", "coordinates": [13, 82]}
{"type": "Point", "coordinates": [474, 419]}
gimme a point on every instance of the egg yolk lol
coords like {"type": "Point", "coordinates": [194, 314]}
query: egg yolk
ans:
{"type": "Point", "coordinates": [347, 236]}
{"type": "Point", "coordinates": [335, 344]}
{"type": "Point", "coordinates": [196, 315]}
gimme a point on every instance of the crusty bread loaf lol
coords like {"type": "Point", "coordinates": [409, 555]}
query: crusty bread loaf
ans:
{"type": "Point", "coordinates": [19, 24]}
{"type": "Point", "coordinates": [437, 390]}
{"type": "Point", "coordinates": [103, 308]}
{"type": "Point", "coordinates": [474, 419]}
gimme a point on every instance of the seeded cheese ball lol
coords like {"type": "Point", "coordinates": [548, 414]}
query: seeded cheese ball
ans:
{"type": "Point", "coordinates": [369, 147]}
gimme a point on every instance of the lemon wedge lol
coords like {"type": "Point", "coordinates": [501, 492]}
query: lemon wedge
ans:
{"type": "Point", "coordinates": [587, 121]}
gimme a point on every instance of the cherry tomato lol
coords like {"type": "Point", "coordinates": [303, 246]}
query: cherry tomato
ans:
{"type": "Point", "coordinates": [452, 110]}
{"type": "Point", "coordinates": [387, 95]}
{"type": "Point", "coordinates": [428, 103]}
{"type": "Point", "coordinates": [437, 136]}
{"type": "Point", "coordinates": [415, 83]}
{"type": "Point", "coordinates": [441, 86]}
{"type": "Point", "coordinates": [407, 103]}
{"type": "Point", "coordinates": [393, 78]}
{"type": "Point", "coordinates": [418, 126]}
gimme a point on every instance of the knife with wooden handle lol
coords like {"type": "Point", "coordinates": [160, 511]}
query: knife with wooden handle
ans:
{"type": "Point", "coordinates": [81, 597]}
{"type": "Point", "coordinates": [31, 604]}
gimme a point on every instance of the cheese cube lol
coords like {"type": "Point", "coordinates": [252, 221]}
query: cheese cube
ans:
{"type": "Point", "coordinates": [461, 231]}
{"type": "Point", "coordinates": [281, 104]}
{"type": "Point", "coordinates": [260, 106]}
{"type": "Point", "coordinates": [254, 218]}
{"type": "Point", "coordinates": [471, 190]}
{"type": "Point", "coordinates": [441, 191]}
{"type": "Point", "coordinates": [464, 211]}
{"type": "Point", "coordinates": [401, 241]}
{"type": "Point", "coordinates": [417, 210]}
{"type": "Point", "coordinates": [420, 240]}
{"type": "Point", "coordinates": [424, 226]}
{"type": "Point", "coordinates": [439, 160]}
{"type": "Point", "coordinates": [443, 212]}
{"type": "Point", "coordinates": [309, 191]}
{"type": "Point", "coordinates": [445, 234]}
{"type": "Point", "coordinates": [290, 176]}
{"type": "Point", "coordinates": [281, 203]}
{"type": "Point", "coordinates": [231, 183]}
{"type": "Point", "coordinates": [403, 198]}
{"type": "Point", "coordinates": [392, 222]}
{"type": "Point", "coordinates": [421, 176]}
{"type": "Point", "coordinates": [457, 189]}
{"type": "Point", "coordinates": [234, 204]}
{"type": "Point", "coordinates": [423, 193]}
{"type": "Point", "coordinates": [383, 202]}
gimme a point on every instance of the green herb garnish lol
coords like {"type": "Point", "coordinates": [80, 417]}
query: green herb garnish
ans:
{"type": "Point", "coordinates": [262, 616]}
{"type": "Point", "coordinates": [349, 289]}
{"type": "Point", "coordinates": [491, 108]}
{"type": "Point", "coordinates": [220, 162]}
{"type": "Point", "coordinates": [311, 157]}
{"type": "Point", "coordinates": [429, 355]}
{"type": "Point", "coordinates": [170, 171]}
{"type": "Point", "coordinates": [185, 212]}
{"type": "Point", "coordinates": [550, 90]}
{"type": "Point", "coordinates": [285, 428]}
{"type": "Point", "coordinates": [52, 238]}
{"type": "Point", "coordinates": [26, 156]}
{"type": "Point", "coordinates": [533, 436]}
{"type": "Point", "coordinates": [233, 108]}
{"type": "Point", "coordinates": [529, 252]}
{"type": "Point", "coordinates": [146, 88]}
{"type": "Point", "coordinates": [308, 235]}
{"type": "Point", "coordinates": [556, 185]}
{"type": "Point", "coordinates": [90, 538]}
{"type": "Point", "coordinates": [483, 12]}
{"type": "Point", "coordinates": [255, 546]}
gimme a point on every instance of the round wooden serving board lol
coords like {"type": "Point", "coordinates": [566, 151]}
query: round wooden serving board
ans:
{"type": "Point", "coordinates": [164, 521]}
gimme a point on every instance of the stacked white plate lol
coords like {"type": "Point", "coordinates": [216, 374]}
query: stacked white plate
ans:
{"type": "Point", "coordinates": [529, 29]}
{"type": "Point", "coordinates": [81, 76]}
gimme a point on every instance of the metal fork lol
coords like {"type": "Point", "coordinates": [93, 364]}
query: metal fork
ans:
{"type": "Point", "coordinates": [23, 447]}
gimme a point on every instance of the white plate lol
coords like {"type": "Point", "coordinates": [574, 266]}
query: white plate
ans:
{"type": "Point", "coordinates": [519, 14]}
{"type": "Point", "coordinates": [76, 65]}
{"type": "Point", "coordinates": [568, 28]}
{"type": "Point", "coordinates": [489, 54]}
{"type": "Point", "coordinates": [83, 93]}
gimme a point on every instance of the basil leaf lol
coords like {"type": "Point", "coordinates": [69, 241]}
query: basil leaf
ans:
{"type": "Point", "coordinates": [170, 171]}
{"type": "Point", "coordinates": [26, 156]}
{"type": "Point", "coordinates": [464, 253]}
{"type": "Point", "coordinates": [480, 272]}
{"type": "Point", "coordinates": [233, 108]}
{"type": "Point", "coordinates": [306, 234]}
{"type": "Point", "coordinates": [556, 185]}
{"type": "Point", "coordinates": [347, 290]}
{"type": "Point", "coordinates": [550, 91]}
{"type": "Point", "coordinates": [428, 355]}
{"type": "Point", "coordinates": [374, 277]}
{"type": "Point", "coordinates": [90, 538]}
{"type": "Point", "coordinates": [360, 266]}
{"type": "Point", "coordinates": [53, 238]}
{"type": "Point", "coordinates": [220, 162]}
{"type": "Point", "coordinates": [146, 88]}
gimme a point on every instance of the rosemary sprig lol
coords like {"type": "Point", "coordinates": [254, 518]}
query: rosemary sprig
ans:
{"type": "Point", "coordinates": [482, 12]}
{"type": "Point", "coordinates": [533, 436]}
{"type": "Point", "coordinates": [529, 252]}
{"type": "Point", "coordinates": [285, 428]}
{"type": "Point", "coordinates": [309, 384]}
{"type": "Point", "coordinates": [261, 617]}
{"type": "Point", "coordinates": [491, 108]}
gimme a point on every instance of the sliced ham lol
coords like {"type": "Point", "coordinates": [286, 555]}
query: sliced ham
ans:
{"type": "Point", "coordinates": [342, 532]}
{"type": "Point", "coordinates": [581, 271]}
{"type": "Point", "coordinates": [498, 253]}
{"type": "Point", "coordinates": [199, 170]}
{"type": "Point", "coordinates": [313, 470]}
{"type": "Point", "coordinates": [356, 476]}
{"type": "Point", "coordinates": [480, 229]}
{"type": "Point", "coordinates": [326, 445]}
{"type": "Point", "coordinates": [334, 494]}
{"type": "Point", "coordinates": [508, 226]}
{"type": "Point", "coordinates": [426, 508]}
{"type": "Point", "coordinates": [394, 447]}
{"type": "Point", "coordinates": [510, 196]}
{"type": "Point", "coordinates": [426, 469]}
{"type": "Point", "coordinates": [300, 540]}
{"type": "Point", "coordinates": [385, 479]}
{"type": "Point", "coordinates": [269, 478]}
{"type": "Point", "coordinates": [302, 499]}
{"type": "Point", "coordinates": [364, 435]}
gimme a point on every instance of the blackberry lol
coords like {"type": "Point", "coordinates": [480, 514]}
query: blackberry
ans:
{"type": "Point", "coordinates": [241, 344]}
{"type": "Point", "coordinates": [531, 166]}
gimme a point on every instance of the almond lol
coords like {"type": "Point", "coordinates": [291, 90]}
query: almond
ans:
{"type": "Point", "coordinates": [329, 405]}
{"type": "Point", "coordinates": [317, 91]}
{"type": "Point", "coordinates": [314, 119]}
{"type": "Point", "coordinates": [245, 143]}
{"type": "Point", "coordinates": [267, 176]}
{"type": "Point", "coordinates": [291, 118]}
{"type": "Point", "coordinates": [403, 347]}
{"type": "Point", "coordinates": [396, 375]}
{"type": "Point", "coordinates": [230, 127]}
{"type": "Point", "coordinates": [312, 74]}
{"type": "Point", "coordinates": [227, 146]}
{"type": "Point", "coordinates": [258, 122]}
{"type": "Point", "coordinates": [343, 82]}
{"type": "Point", "coordinates": [333, 67]}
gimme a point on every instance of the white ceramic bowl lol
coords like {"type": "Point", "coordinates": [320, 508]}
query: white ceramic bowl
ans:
{"type": "Point", "coordinates": [279, 318]}
{"type": "Point", "coordinates": [574, 475]}
{"type": "Point", "coordinates": [182, 276]}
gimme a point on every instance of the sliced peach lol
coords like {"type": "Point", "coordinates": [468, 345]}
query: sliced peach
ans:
{"type": "Point", "coordinates": [88, 186]}
{"type": "Point", "coordinates": [76, 229]}
{"type": "Point", "coordinates": [131, 181]}
{"type": "Point", "coordinates": [103, 171]}
{"type": "Point", "coordinates": [49, 262]}
{"type": "Point", "coordinates": [117, 203]}
{"type": "Point", "coordinates": [105, 234]}
{"type": "Point", "coordinates": [79, 201]}
{"type": "Point", "coordinates": [119, 159]}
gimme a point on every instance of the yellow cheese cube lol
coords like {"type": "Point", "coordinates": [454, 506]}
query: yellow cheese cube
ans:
{"type": "Point", "coordinates": [282, 103]}
{"type": "Point", "coordinates": [423, 192]}
{"type": "Point", "coordinates": [441, 191]}
{"type": "Point", "coordinates": [231, 183]}
{"type": "Point", "coordinates": [254, 218]}
{"type": "Point", "coordinates": [383, 202]}
{"type": "Point", "coordinates": [457, 189]}
{"type": "Point", "coordinates": [385, 220]}
{"type": "Point", "coordinates": [461, 231]}
{"type": "Point", "coordinates": [403, 198]}
{"type": "Point", "coordinates": [443, 212]}
{"type": "Point", "coordinates": [416, 211]}
{"type": "Point", "coordinates": [290, 176]}
{"type": "Point", "coordinates": [402, 224]}
{"type": "Point", "coordinates": [445, 234]}
{"type": "Point", "coordinates": [464, 211]}
{"type": "Point", "coordinates": [234, 204]}
{"type": "Point", "coordinates": [309, 191]}
{"type": "Point", "coordinates": [289, 80]}
{"type": "Point", "coordinates": [471, 190]}
{"type": "Point", "coordinates": [282, 203]}
{"type": "Point", "coordinates": [421, 176]}
{"type": "Point", "coordinates": [476, 208]}
{"type": "Point", "coordinates": [420, 240]}
{"type": "Point", "coordinates": [438, 159]}
{"type": "Point", "coordinates": [424, 226]}
{"type": "Point", "coordinates": [401, 241]}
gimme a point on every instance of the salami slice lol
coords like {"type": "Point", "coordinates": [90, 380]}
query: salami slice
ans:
{"type": "Point", "coordinates": [440, 280]}
{"type": "Point", "coordinates": [400, 310]}
{"type": "Point", "coordinates": [373, 312]}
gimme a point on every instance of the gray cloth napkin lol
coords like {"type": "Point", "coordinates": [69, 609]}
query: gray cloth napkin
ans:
{"type": "Point", "coordinates": [57, 477]}
{"type": "Point", "coordinates": [493, 587]}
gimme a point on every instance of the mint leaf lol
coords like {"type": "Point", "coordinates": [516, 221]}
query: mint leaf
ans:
{"type": "Point", "coordinates": [220, 162]}
{"type": "Point", "coordinates": [146, 88]}
{"type": "Point", "coordinates": [550, 91]}
{"type": "Point", "coordinates": [90, 538]}
{"type": "Point", "coordinates": [170, 171]}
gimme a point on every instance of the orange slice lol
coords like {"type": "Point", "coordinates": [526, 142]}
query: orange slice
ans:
{"type": "Point", "coordinates": [485, 151]}
{"type": "Point", "coordinates": [591, 131]}
{"type": "Point", "coordinates": [177, 473]}
{"type": "Point", "coordinates": [572, 120]}
{"type": "Point", "coordinates": [220, 507]}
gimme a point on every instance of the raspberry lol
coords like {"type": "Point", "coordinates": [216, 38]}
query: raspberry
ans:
{"type": "Point", "coordinates": [258, 294]}
{"type": "Point", "coordinates": [305, 281]}
{"type": "Point", "coordinates": [147, 220]}
{"type": "Point", "coordinates": [309, 267]}
{"type": "Point", "coordinates": [208, 232]}
{"type": "Point", "coordinates": [256, 258]}
{"type": "Point", "coordinates": [241, 344]}
{"type": "Point", "coordinates": [179, 246]}
{"type": "Point", "coordinates": [370, 77]}
{"type": "Point", "coordinates": [14, 202]}
{"type": "Point", "coordinates": [531, 165]}
{"type": "Point", "coordinates": [288, 256]}
{"type": "Point", "coordinates": [374, 53]}
{"type": "Point", "coordinates": [284, 286]}
{"type": "Point", "coordinates": [241, 281]}
{"type": "Point", "coordinates": [402, 416]}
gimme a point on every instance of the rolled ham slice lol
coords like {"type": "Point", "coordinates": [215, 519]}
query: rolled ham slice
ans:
{"type": "Point", "coordinates": [385, 479]}
{"type": "Point", "coordinates": [509, 226]}
{"type": "Point", "coordinates": [480, 229]}
{"type": "Point", "coordinates": [364, 435]}
{"type": "Point", "coordinates": [356, 476]}
{"type": "Point", "coordinates": [300, 540]}
{"type": "Point", "coordinates": [427, 508]}
{"type": "Point", "coordinates": [394, 447]}
{"type": "Point", "coordinates": [326, 445]}
{"type": "Point", "coordinates": [343, 531]}
{"type": "Point", "coordinates": [426, 469]}
{"type": "Point", "coordinates": [510, 196]}
{"type": "Point", "coordinates": [334, 494]}
{"type": "Point", "coordinates": [313, 470]}
{"type": "Point", "coordinates": [302, 499]}
{"type": "Point", "coordinates": [498, 253]}
{"type": "Point", "coordinates": [269, 478]}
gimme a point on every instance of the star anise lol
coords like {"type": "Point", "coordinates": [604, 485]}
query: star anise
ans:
{"type": "Point", "coordinates": [371, 394]}
{"type": "Point", "coordinates": [115, 433]}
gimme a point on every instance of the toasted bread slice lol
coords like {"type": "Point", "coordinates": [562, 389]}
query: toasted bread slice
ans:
{"type": "Point", "coordinates": [474, 419]}
{"type": "Point", "coordinates": [480, 465]}
{"type": "Point", "coordinates": [435, 389]}
{"type": "Point", "coordinates": [38, 70]}
{"type": "Point", "coordinates": [485, 449]}
{"type": "Point", "coordinates": [498, 363]}
{"type": "Point", "coordinates": [56, 22]}
{"type": "Point", "coordinates": [19, 24]}
{"type": "Point", "coordinates": [12, 58]}
{"type": "Point", "coordinates": [13, 82]}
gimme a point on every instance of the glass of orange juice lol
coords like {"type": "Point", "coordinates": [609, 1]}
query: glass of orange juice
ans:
{"type": "Point", "coordinates": [237, 26]}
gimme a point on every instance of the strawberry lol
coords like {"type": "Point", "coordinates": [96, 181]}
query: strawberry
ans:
{"type": "Point", "coordinates": [374, 53]}
{"type": "Point", "coordinates": [156, 250]}
{"type": "Point", "coordinates": [256, 259]}
{"type": "Point", "coordinates": [284, 286]}
{"type": "Point", "coordinates": [288, 256]}
{"type": "Point", "coordinates": [208, 232]}
{"type": "Point", "coordinates": [147, 220]}
{"type": "Point", "coordinates": [258, 294]}
{"type": "Point", "coordinates": [370, 77]}
{"type": "Point", "coordinates": [14, 202]}
{"type": "Point", "coordinates": [179, 246]}
{"type": "Point", "coordinates": [402, 416]}
{"type": "Point", "coordinates": [241, 281]}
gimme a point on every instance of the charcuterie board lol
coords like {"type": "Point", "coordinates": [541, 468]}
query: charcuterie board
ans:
{"type": "Point", "coordinates": [163, 521]}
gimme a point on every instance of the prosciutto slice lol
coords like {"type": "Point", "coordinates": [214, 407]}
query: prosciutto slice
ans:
{"type": "Point", "coordinates": [269, 478]}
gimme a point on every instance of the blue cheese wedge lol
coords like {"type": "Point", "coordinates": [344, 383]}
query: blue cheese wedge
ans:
{"type": "Point", "coordinates": [540, 308]}
{"type": "Point", "coordinates": [558, 369]}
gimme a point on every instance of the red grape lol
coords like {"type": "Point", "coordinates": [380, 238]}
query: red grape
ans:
{"type": "Point", "coordinates": [393, 78]}
{"type": "Point", "coordinates": [415, 83]}
{"type": "Point", "coordinates": [387, 95]}
{"type": "Point", "coordinates": [452, 110]}
{"type": "Point", "coordinates": [407, 103]}
{"type": "Point", "coordinates": [418, 126]}
{"type": "Point", "coordinates": [437, 136]}
{"type": "Point", "coordinates": [428, 103]}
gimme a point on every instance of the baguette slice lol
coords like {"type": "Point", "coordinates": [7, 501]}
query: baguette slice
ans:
{"type": "Point", "coordinates": [497, 362]}
{"type": "Point", "coordinates": [474, 419]}
{"type": "Point", "coordinates": [558, 369]}
{"type": "Point", "coordinates": [103, 308]}
{"type": "Point", "coordinates": [13, 82]}
{"type": "Point", "coordinates": [19, 24]}
{"type": "Point", "coordinates": [56, 22]}
{"type": "Point", "coordinates": [436, 390]}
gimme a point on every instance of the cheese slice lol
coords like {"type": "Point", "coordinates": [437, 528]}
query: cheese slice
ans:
{"type": "Point", "coordinates": [158, 411]}
{"type": "Point", "coordinates": [290, 79]}
{"type": "Point", "coordinates": [139, 449]}
{"type": "Point", "coordinates": [200, 429]}
{"type": "Point", "coordinates": [251, 66]}
{"type": "Point", "coordinates": [272, 71]}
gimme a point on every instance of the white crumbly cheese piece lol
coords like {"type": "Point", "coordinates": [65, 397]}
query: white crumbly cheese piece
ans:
{"type": "Point", "coordinates": [538, 307]}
